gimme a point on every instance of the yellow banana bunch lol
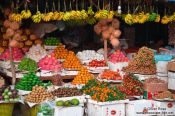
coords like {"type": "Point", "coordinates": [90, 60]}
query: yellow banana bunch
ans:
{"type": "Point", "coordinates": [75, 15]}
{"type": "Point", "coordinates": [26, 14]}
{"type": "Point", "coordinates": [111, 14]}
{"type": "Point", "coordinates": [143, 17]}
{"type": "Point", "coordinates": [83, 14]}
{"type": "Point", "coordinates": [135, 18]}
{"type": "Point", "coordinates": [157, 18]}
{"type": "Point", "coordinates": [101, 14]}
{"type": "Point", "coordinates": [165, 20]}
{"type": "Point", "coordinates": [66, 16]}
{"type": "Point", "coordinates": [37, 17]}
{"type": "Point", "coordinates": [55, 15]}
{"type": "Point", "coordinates": [47, 16]}
{"type": "Point", "coordinates": [16, 17]}
{"type": "Point", "coordinates": [173, 19]}
{"type": "Point", "coordinates": [129, 19]}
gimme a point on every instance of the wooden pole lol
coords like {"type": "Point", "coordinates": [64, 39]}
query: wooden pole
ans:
{"type": "Point", "coordinates": [12, 65]}
{"type": "Point", "coordinates": [105, 49]}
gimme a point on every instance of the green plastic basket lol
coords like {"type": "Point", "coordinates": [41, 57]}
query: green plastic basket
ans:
{"type": "Point", "coordinates": [6, 109]}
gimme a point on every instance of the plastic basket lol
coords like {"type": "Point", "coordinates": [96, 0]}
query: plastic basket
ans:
{"type": "Point", "coordinates": [6, 109]}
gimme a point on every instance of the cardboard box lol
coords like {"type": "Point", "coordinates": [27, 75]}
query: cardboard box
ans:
{"type": "Point", "coordinates": [171, 66]}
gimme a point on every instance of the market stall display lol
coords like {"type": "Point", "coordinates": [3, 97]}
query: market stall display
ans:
{"type": "Point", "coordinates": [27, 64]}
{"type": "Point", "coordinates": [131, 86]}
{"type": "Point", "coordinates": [28, 81]}
{"type": "Point", "coordinates": [154, 85]}
{"type": "Point", "coordinates": [8, 94]}
{"type": "Point", "coordinates": [117, 60]}
{"type": "Point", "coordinates": [110, 76]}
{"type": "Point", "coordinates": [97, 63]}
{"type": "Point", "coordinates": [36, 52]}
{"type": "Point", "coordinates": [143, 62]}
{"type": "Point", "coordinates": [165, 95]}
{"type": "Point", "coordinates": [60, 52]}
{"type": "Point", "coordinates": [50, 63]}
{"type": "Point", "coordinates": [38, 95]}
{"type": "Point", "coordinates": [66, 92]}
{"type": "Point", "coordinates": [68, 103]}
{"type": "Point", "coordinates": [89, 55]}
{"type": "Point", "coordinates": [102, 92]}
{"type": "Point", "coordinates": [83, 76]}
{"type": "Point", "coordinates": [17, 54]}
{"type": "Point", "coordinates": [72, 62]}
{"type": "Point", "coordinates": [51, 41]}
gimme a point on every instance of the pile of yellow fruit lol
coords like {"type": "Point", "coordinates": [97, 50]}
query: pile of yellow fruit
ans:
{"type": "Point", "coordinates": [60, 52]}
{"type": "Point", "coordinates": [83, 76]}
{"type": "Point", "coordinates": [72, 62]}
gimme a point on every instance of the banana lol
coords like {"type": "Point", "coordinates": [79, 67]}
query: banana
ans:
{"type": "Point", "coordinates": [37, 17]}
{"type": "Point", "coordinates": [47, 16]}
{"type": "Point", "coordinates": [129, 19]}
{"type": "Point", "coordinates": [26, 14]}
{"type": "Point", "coordinates": [16, 17]}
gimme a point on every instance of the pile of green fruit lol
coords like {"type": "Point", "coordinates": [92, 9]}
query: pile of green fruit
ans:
{"type": "Point", "coordinates": [27, 64]}
{"type": "Point", "coordinates": [46, 110]}
{"type": "Point", "coordinates": [52, 41]}
{"type": "Point", "coordinates": [8, 95]}
{"type": "Point", "coordinates": [29, 80]}
{"type": "Point", "coordinates": [68, 103]}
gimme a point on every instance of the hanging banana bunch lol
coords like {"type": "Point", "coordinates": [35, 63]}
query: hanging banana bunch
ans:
{"type": "Point", "coordinates": [26, 13]}
{"type": "Point", "coordinates": [90, 20]}
{"type": "Point", "coordinates": [37, 17]}
{"type": "Point", "coordinates": [16, 16]}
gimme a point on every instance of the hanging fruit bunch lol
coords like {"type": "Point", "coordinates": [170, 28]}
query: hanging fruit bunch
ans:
{"type": "Point", "coordinates": [109, 29]}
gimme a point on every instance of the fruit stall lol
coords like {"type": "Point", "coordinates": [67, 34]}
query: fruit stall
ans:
{"type": "Point", "coordinates": [45, 76]}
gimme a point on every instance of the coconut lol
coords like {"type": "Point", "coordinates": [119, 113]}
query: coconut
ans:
{"type": "Point", "coordinates": [115, 42]}
{"type": "Point", "coordinates": [116, 33]}
{"type": "Point", "coordinates": [13, 43]}
{"type": "Point", "coordinates": [5, 36]}
{"type": "Point", "coordinates": [19, 31]}
{"type": "Point", "coordinates": [115, 23]}
{"type": "Point", "coordinates": [23, 38]}
{"type": "Point", "coordinates": [17, 37]}
{"type": "Point", "coordinates": [21, 45]}
{"type": "Point", "coordinates": [110, 29]}
{"type": "Point", "coordinates": [105, 35]}
{"type": "Point", "coordinates": [1, 49]}
{"type": "Point", "coordinates": [10, 32]}
{"type": "Point", "coordinates": [97, 29]}
{"type": "Point", "coordinates": [7, 23]}
{"type": "Point", "coordinates": [28, 43]}
{"type": "Point", "coordinates": [27, 31]}
{"type": "Point", "coordinates": [14, 25]}
{"type": "Point", "coordinates": [10, 17]}
{"type": "Point", "coordinates": [33, 37]}
{"type": "Point", "coordinates": [38, 41]}
{"type": "Point", "coordinates": [7, 11]}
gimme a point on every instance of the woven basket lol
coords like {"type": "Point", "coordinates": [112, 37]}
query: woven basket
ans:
{"type": "Point", "coordinates": [6, 109]}
{"type": "Point", "coordinates": [29, 111]}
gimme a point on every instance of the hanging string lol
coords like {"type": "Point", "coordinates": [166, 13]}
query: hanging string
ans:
{"type": "Point", "coordinates": [65, 5]}
{"type": "Point", "coordinates": [37, 5]}
{"type": "Point", "coordinates": [70, 5]}
{"type": "Point", "coordinates": [76, 4]}
{"type": "Point", "coordinates": [53, 8]}
{"type": "Point", "coordinates": [59, 5]}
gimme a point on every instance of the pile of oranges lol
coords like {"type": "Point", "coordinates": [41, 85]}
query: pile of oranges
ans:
{"type": "Point", "coordinates": [83, 76]}
{"type": "Point", "coordinates": [60, 52]}
{"type": "Point", "coordinates": [72, 62]}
